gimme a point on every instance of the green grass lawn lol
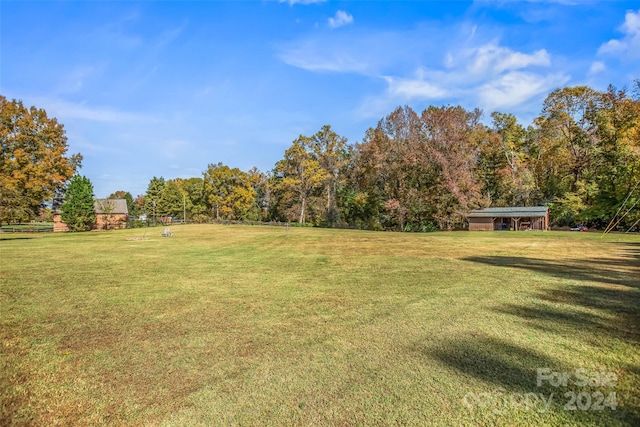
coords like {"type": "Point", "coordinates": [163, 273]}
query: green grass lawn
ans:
{"type": "Point", "coordinates": [239, 325]}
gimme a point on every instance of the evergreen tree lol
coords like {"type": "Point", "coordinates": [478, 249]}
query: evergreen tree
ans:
{"type": "Point", "coordinates": [171, 201]}
{"type": "Point", "coordinates": [153, 195]}
{"type": "Point", "coordinates": [77, 210]}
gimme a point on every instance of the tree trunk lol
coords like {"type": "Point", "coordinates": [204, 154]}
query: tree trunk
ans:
{"type": "Point", "coordinates": [328, 201]}
{"type": "Point", "coordinates": [301, 221]}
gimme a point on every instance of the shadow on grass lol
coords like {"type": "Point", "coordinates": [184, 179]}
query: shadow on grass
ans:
{"type": "Point", "coordinates": [601, 309]}
{"type": "Point", "coordinates": [624, 272]}
{"type": "Point", "coordinates": [513, 371]}
{"type": "Point", "coordinates": [496, 361]}
{"type": "Point", "coordinates": [14, 238]}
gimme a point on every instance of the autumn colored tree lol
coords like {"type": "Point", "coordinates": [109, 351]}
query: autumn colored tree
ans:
{"type": "Point", "coordinates": [139, 202]}
{"type": "Point", "coordinates": [418, 171]}
{"type": "Point", "coordinates": [568, 134]}
{"type": "Point", "coordinates": [385, 172]}
{"type": "Point", "coordinates": [34, 164]}
{"type": "Point", "coordinates": [228, 192]}
{"type": "Point", "coordinates": [618, 160]}
{"type": "Point", "coordinates": [331, 152]}
{"type": "Point", "coordinates": [299, 178]}
{"type": "Point", "coordinates": [588, 153]}
{"type": "Point", "coordinates": [449, 137]}
{"type": "Point", "coordinates": [78, 211]}
{"type": "Point", "coordinates": [504, 163]}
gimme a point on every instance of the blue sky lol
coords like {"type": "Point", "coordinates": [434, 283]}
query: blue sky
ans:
{"type": "Point", "coordinates": [163, 88]}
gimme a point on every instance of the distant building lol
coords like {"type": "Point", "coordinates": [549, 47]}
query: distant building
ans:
{"type": "Point", "coordinates": [509, 218]}
{"type": "Point", "coordinates": [111, 214]}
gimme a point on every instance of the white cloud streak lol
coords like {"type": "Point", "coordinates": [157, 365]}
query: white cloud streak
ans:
{"type": "Point", "coordinates": [423, 66]}
{"type": "Point", "coordinates": [66, 110]}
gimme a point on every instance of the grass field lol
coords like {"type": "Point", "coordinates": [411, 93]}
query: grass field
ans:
{"type": "Point", "coordinates": [239, 325]}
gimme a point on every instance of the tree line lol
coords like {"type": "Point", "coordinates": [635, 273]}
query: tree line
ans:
{"type": "Point", "coordinates": [424, 171]}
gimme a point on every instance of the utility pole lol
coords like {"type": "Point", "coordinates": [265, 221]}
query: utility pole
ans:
{"type": "Point", "coordinates": [184, 208]}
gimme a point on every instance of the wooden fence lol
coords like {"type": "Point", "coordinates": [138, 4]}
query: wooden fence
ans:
{"type": "Point", "coordinates": [25, 228]}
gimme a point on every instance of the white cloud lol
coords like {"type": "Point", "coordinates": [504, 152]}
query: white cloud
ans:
{"type": "Point", "coordinates": [325, 55]}
{"type": "Point", "coordinates": [371, 53]}
{"type": "Point", "coordinates": [491, 57]}
{"type": "Point", "coordinates": [632, 23]}
{"type": "Point", "coordinates": [517, 87]}
{"type": "Point", "coordinates": [597, 67]}
{"type": "Point", "coordinates": [613, 46]}
{"type": "Point", "coordinates": [469, 66]}
{"type": "Point", "coordinates": [417, 87]}
{"type": "Point", "coordinates": [338, 62]}
{"type": "Point", "coordinates": [341, 19]}
{"type": "Point", "coordinates": [489, 76]}
{"type": "Point", "coordinates": [629, 44]}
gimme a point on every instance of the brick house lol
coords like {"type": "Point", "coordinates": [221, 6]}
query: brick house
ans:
{"type": "Point", "coordinates": [111, 214]}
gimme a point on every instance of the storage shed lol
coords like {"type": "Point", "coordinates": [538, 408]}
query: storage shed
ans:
{"type": "Point", "coordinates": [509, 218]}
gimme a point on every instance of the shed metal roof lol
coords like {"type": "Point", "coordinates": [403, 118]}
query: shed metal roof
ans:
{"type": "Point", "coordinates": [512, 212]}
{"type": "Point", "coordinates": [110, 206]}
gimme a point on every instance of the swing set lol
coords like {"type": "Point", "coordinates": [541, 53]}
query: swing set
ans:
{"type": "Point", "coordinates": [620, 214]}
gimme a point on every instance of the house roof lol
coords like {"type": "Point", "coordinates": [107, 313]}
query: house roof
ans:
{"type": "Point", "coordinates": [110, 206]}
{"type": "Point", "coordinates": [513, 212]}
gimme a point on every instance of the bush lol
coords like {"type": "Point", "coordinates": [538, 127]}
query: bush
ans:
{"type": "Point", "coordinates": [200, 218]}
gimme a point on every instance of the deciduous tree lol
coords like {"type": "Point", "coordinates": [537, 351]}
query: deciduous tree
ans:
{"type": "Point", "coordinates": [196, 201]}
{"type": "Point", "coordinates": [228, 192]}
{"type": "Point", "coordinates": [417, 171]}
{"type": "Point", "coordinates": [300, 177]}
{"type": "Point", "coordinates": [569, 134]}
{"type": "Point", "coordinates": [331, 152]}
{"type": "Point", "coordinates": [504, 163]}
{"type": "Point", "coordinates": [33, 162]}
